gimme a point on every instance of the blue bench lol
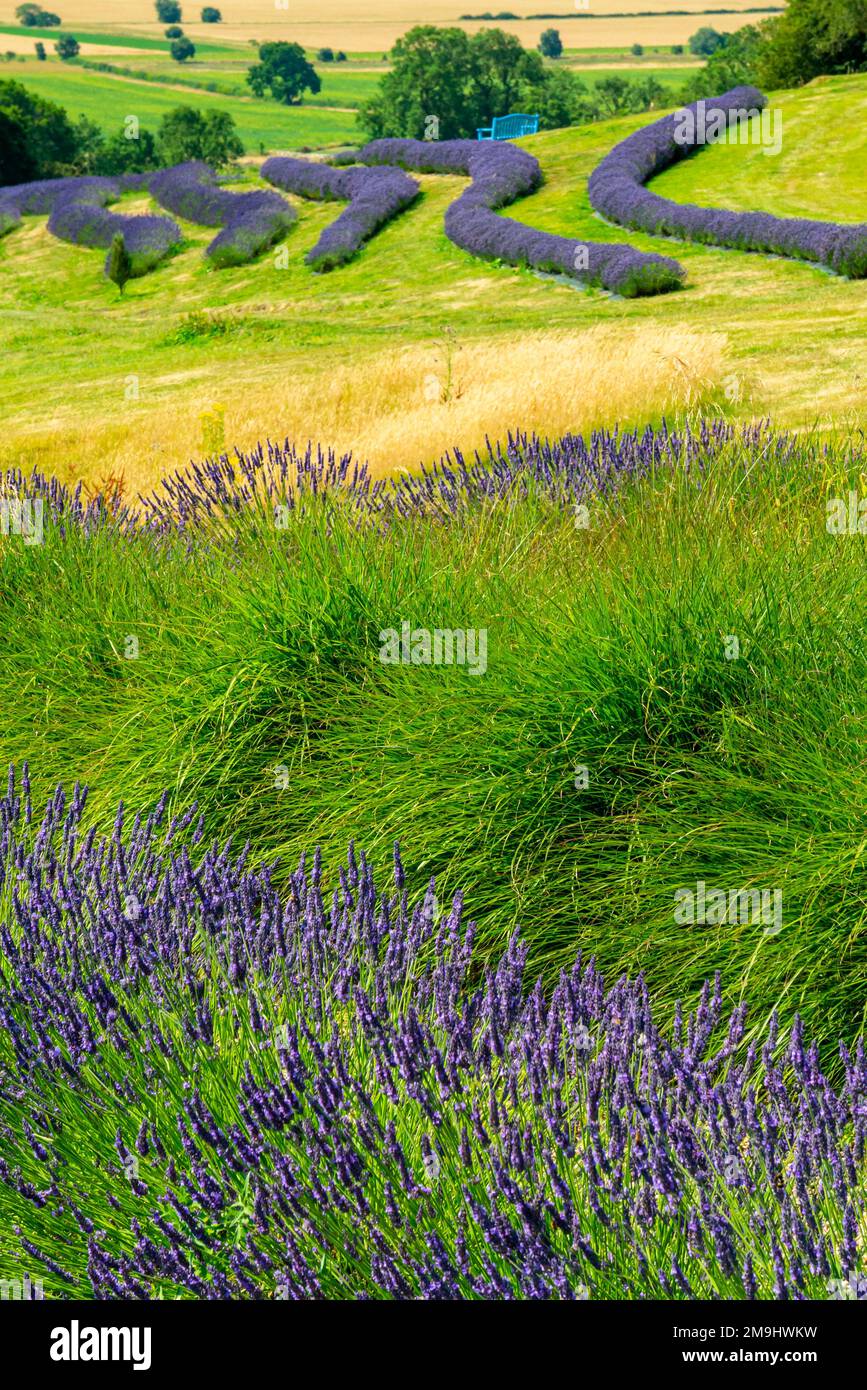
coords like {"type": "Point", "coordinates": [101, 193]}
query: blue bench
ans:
{"type": "Point", "coordinates": [509, 127]}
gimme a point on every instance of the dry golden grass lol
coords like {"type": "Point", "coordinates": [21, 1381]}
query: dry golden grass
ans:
{"type": "Point", "coordinates": [404, 408]}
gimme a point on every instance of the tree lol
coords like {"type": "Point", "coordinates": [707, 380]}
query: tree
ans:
{"type": "Point", "coordinates": [186, 133]}
{"type": "Point", "coordinates": [637, 50]}
{"type": "Point", "coordinates": [37, 138]}
{"type": "Point", "coordinates": [811, 39]}
{"type": "Point", "coordinates": [121, 155]}
{"type": "Point", "coordinates": [168, 11]}
{"type": "Point", "coordinates": [40, 52]}
{"type": "Point", "coordinates": [677, 48]}
{"type": "Point", "coordinates": [119, 264]}
{"type": "Point", "coordinates": [181, 49]}
{"type": "Point", "coordinates": [34, 17]}
{"type": "Point", "coordinates": [325, 55]}
{"type": "Point", "coordinates": [211, 16]}
{"type": "Point", "coordinates": [283, 71]}
{"type": "Point", "coordinates": [340, 57]}
{"type": "Point", "coordinates": [733, 65]}
{"type": "Point", "coordinates": [174, 31]}
{"type": "Point", "coordinates": [706, 41]}
{"type": "Point", "coordinates": [67, 47]}
{"type": "Point", "coordinates": [550, 44]}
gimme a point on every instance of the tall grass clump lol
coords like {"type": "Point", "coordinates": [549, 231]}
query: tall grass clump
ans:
{"type": "Point", "coordinates": [675, 693]}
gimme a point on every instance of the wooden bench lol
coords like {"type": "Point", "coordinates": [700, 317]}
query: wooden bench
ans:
{"type": "Point", "coordinates": [509, 127]}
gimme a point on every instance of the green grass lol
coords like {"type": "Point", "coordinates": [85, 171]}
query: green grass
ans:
{"type": "Point", "coordinates": [606, 649]}
{"type": "Point", "coordinates": [113, 37]}
{"type": "Point", "coordinates": [108, 100]}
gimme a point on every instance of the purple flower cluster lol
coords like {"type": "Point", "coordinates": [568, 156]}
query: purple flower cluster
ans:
{"type": "Point", "coordinates": [564, 472]}
{"type": "Point", "coordinates": [77, 212]}
{"type": "Point", "coordinates": [617, 191]}
{"type": "Point", "coordinates": [251, 222]}
{"type": "Point", "coordinates": [306, 1094]}
{"type": "Point", "coordinates": [500, 173]}
{"type": "Point", "coordinates": [374, 196]}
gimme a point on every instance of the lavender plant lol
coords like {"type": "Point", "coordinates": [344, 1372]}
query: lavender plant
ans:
{"type": "Point", "coordinates": [77, 212]}
{"type": "Point", "coordinates": [617, 191]}
{"type": "Point", "coordinates": [212, 1090]}
{"type": "Point", "coordinates": [374, 196]}
{"type": "Point", "coordinates": [250, 222]}
{"type": "Point", "coordinates": [500, 173]}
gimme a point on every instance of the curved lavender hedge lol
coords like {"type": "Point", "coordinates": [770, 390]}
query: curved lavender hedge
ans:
{"type": "Point", "coordinates": [251, 222]}
{"type": "Point", "coordinates": [77, 213]}
{"type": "Point", "coordinates": [617, 191]}
{"type": "Point", "coordinates": [374, 197]}
{"type": "Point", "coordinates": [500, 173]}
{"type": "Point", "coordinates": [220, 1091]}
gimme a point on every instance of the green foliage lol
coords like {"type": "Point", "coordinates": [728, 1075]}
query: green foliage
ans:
{"type": "Point", "coordinates": [40, 52]}
{"type": "Point", "coordinates": [174, 31]}
{"type": "Point", "coordinates": [637, 50]}
{"type": "Point", "coordinates": [67, 47]}
{"type": "Point", "coordinates": [325, 55]}
{"type": "Point", "coordinates": [812, 38]}
{"type": "Point", "coordinates": [34, 17]}
{"type": "Point", "coordinates": [182, 49]}
{"type": "Point", "coordinates": [39, 138]}
{"type": "Point", "coordinates": [211, 15]}
{"type": "Point", "coordinates": [119, 264]}
{"type": "Point", "coordinates": [550, 44]}
{"type": "Point", "coordinates": [706, 41]}
{"type": "Point", "coordinates": [168, 11]}
{"type": "Point", "coordinates": [734, 64]}
{"type": "Point", "coordinates": [283, 72]}
{"type": "Point", "coordinates": [186, 133]}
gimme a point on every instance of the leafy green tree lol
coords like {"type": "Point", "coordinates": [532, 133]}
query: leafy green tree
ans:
{"type": "Point", "coordinates": [563, 100]}
{"type": "Point", "coordinates": [39, 139]}
{"type": "Point", "coordinates": [325, 55]}
{"type": "Point", "coordinates": [174, 31]}
{"type": "Point", "coordinates": [182, 49]}
{"type": "Point", "coordinates": [340, 56]}
{"type": "Point", "coordinates": [119, 264]}
{"type": "Point", "coordinates": [168, 11]}
{"type": "Point", "coordinates": [813, 38]}
{"type": "Point", "coordinates": [706, 41]}
{"type": "Point", "coordinates": [40, 52]}
{"type": "Point", "coordinates": [550, 44]}
{"type": "Point", "coordinates": [284, 72]}
{"type": "Point", "coordinates": [120, 155]}
{"type": "Point", "coordinates": [733, 65]}
{"type": "Point", "coordinates": [186, 133]}
{"type": "Point", "coordinates": [637, 50]}
{"type": "Point", "coordinates": [211, 16]}
{"type": "Point", "coordinates": [34, 17]}
{"type": "Point", "coordinates": [67, 47]}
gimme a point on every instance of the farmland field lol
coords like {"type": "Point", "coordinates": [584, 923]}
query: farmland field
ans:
{"type": "Point", "coordinates": [434, 689]}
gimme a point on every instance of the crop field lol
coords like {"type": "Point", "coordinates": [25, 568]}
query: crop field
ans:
{"type": "Point", "coordinates": [432, 586]}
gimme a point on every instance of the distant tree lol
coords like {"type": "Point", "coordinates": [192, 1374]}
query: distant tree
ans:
{"type": "Point", "coordinates": [550, 44]}
{"type": "Point", "coordinates": [187, 133]}
{"type": "Point", "coordinates": [637, 50]}
{"type": "Point", "coordinates": [211, 16]}
{"type": "Point", "coordinates": [283, 71]}
{"type": "Point", "coordinates": [34, 17]}
{"type": "Point", "coordinates": [67, 47]}
{"type": "Point", "coordinates": [734, 65]}
{"type": "Point", "coordinates": [182, 49]}
{"type": "Point", "coordinates": [340, 57]}
{"type": "Point", "coordinates": [174, 31]}
{"type": "Point", "coordinates": [325, 55]}
{"type": "Point", "coordinates": [119, 265]}
{"type": "Point", "coordinates": [706, 41]}
{"type": "Point", "coordinates": [563, 100]}
{"type": "Point", "coordinates": [811, 39]}
{"type": "Point", "coordinates": [40, 52]}
{"type": "Point", "coordinates": [168, 11]}
{"type": "Point", "coordinates": [677, 48]}
{"type": "Point", "coordinates": [122, 155]}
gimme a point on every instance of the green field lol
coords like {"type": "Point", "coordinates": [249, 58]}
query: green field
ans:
{"type": "Point", "coordinates": [107, 101]}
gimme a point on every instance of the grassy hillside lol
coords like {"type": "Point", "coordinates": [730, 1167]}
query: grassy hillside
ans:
{"type": "Point", "coordinates": [792, 336]}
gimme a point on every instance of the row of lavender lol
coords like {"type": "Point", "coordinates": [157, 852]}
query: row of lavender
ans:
{"type": "Point", "coordinates": [374, 197]}
{"type": "Point", "coordinates": [617, 191]}
{"type": "Point", "coordinates": [220, 1091]}
{"type": "Point", "coordinates": [563, 472]}
{"type": "Point", "coordinates": [77, 213]}
{"type": "Point", "coordinates": [250, 222]}
{"type": "Point", "coordinates": [500, 173]}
